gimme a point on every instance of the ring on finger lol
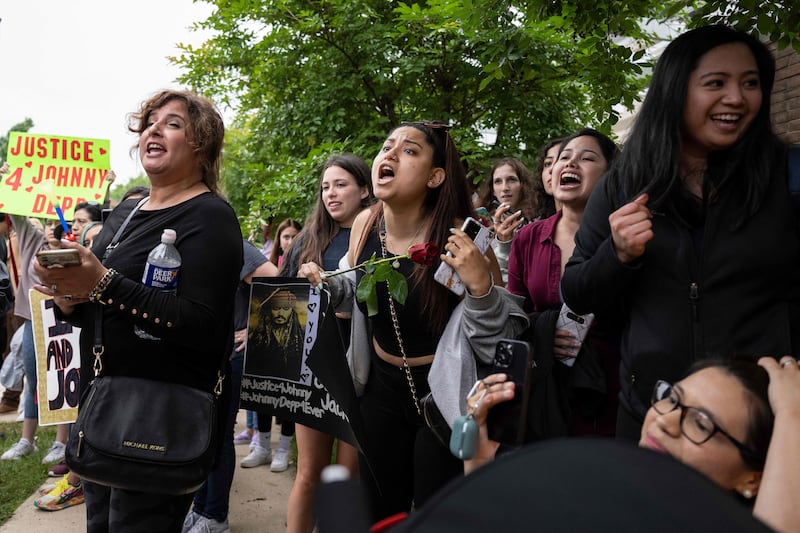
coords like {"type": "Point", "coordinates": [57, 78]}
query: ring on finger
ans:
{"type": "Point", "coordinates": [788, 362]}
{"type": "Point", "coordinates": [68, 297]}
{"type": "Point", "coordinates": [53, 288]}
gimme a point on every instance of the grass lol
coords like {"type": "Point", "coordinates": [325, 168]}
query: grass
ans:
{"type": "Point", "coordinates": [19, 479]}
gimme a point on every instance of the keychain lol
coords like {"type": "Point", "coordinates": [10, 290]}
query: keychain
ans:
{"type": "Point", "coordinates": [464, 438]}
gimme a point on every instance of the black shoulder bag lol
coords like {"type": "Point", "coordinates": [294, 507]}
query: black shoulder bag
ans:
{"type": "Point", "coordinates": [142, 434]}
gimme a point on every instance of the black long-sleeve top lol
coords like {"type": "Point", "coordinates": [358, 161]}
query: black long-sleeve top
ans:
{"type": "Point", "coordinates": [702, 289]}
{"type": "Point", "coordinates": [195, 326]}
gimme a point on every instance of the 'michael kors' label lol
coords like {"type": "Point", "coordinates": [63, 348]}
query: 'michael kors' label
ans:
{"type": "Point", "coordinates": [144, 446]}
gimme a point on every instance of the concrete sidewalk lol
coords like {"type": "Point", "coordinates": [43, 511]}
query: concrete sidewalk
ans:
{"type": "Point", "coordinates": [258, 500]}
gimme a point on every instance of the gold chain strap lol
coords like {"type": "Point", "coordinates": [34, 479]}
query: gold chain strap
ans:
{"type": "Point", "coordinates": [396, 325]}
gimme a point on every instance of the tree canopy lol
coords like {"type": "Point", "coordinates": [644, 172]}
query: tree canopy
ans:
{"type": "Point", "coordinates": [307, 79]}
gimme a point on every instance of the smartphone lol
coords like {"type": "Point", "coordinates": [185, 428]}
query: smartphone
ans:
{"type": "Point", "coordinates": [496, 203]}
{"type": "Point", "coordinates": [576, 324]}
{"type": "Point", "coordinates": [482, 238]}
{"type": "Point", "coordinates": [64, 257]}
{"type": "Point", "coordinates": [483, 216]}
{"type": "Point", "coordinates": [506, 421]}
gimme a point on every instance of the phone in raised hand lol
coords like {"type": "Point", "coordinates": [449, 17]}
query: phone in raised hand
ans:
{"type": "Point", "coordinates": [482, 238]}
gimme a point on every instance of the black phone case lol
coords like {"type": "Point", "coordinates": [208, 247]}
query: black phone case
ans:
{"type": "Point", "coordinates": [505, 420]}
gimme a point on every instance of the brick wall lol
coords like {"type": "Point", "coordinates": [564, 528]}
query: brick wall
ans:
{"type": "Point", "coordinates": [786, 95]}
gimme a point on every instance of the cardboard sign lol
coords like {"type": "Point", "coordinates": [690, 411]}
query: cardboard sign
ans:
{"type": "Point", "coordinates": [58, 362]}
{"type": "Point", "coordinates": [44, 168]}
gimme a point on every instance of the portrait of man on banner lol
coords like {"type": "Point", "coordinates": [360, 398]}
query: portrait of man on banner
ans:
{"type": "Point", "coordinates": [290, 322]}
{"type": "Point", "coordinates": [277, 336]}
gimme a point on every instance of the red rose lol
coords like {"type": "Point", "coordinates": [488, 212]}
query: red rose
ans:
{"type": "Point", "coordinates": [424, 253]}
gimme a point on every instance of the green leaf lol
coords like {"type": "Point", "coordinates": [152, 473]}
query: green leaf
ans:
{"type": "Point", "coordinates": [365, 287]}
{"type": "Point", "coordinates": [383, 271]}
{"type": "Point", "coordinates": [372, 302]}
{"type": "Point", "coordinates": [398, 286]}
{"type": "Point", "coordinates": [365, 292]}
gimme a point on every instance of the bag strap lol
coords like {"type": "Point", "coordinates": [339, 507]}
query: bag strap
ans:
{"type": "Point", "coordinates": [375, 210]}
{"type": "Point", "coordinates": [115, 240]}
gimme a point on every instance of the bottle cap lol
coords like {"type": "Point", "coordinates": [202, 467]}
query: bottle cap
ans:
{"type": "Point", "coordinates": [169, 236]}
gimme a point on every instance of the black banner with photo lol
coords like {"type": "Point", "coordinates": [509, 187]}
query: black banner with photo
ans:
{"type": "Point", "coordinates": [291, 329]}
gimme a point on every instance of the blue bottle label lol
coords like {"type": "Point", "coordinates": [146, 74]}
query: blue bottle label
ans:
{"type": "Point", "coordinates": [164, 278]}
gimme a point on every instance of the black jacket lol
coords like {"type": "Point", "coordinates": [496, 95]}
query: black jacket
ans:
{"type": "Point", "coordinates": [739, 294]}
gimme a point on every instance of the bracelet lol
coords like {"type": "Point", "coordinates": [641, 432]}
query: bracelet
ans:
{"type": "Point", "coordinates": [102, 285]}
{"type": "Point", "coordinates": [491, 286]}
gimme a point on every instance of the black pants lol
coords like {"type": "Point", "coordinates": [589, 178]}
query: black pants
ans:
{"type": "Point", "coordinates": [265, 424]}
{"type": "Point", "coordinates": [405, 464]}
{"type": "Point", "coordinates": [125, 511]}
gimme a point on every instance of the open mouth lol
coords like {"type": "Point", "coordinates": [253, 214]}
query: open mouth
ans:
{"type": "Point", "coordinates": [385, 173]}
{"type": "Point", "coordinates": [154, 147]}
{"type": "Point", "coordinates": [727, 120]}
{"type": "Point", "coordinates": [569, 179]}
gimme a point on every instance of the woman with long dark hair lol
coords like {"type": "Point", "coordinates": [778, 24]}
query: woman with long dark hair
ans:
{"type": "Point", "coordinates": [345, 190]}
{"type": "Point", "coordinates": [421, 182]}
{"type": "Point", "coordinates": [692, 238]}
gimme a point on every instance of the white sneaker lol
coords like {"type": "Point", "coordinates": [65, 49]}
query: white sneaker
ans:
{"type": "Point", "coordinates": [208, 525]}
{"type": "Point", "coordinates": [19, 450]}
{"type": "Point", "coordinates": [281, 461]}
{"type": "Point", "coordinates": [258, 456]}
{"type": "Point", "coordinates": [55, 454]}
{"type": "Point", "coordinates": [190, 520]}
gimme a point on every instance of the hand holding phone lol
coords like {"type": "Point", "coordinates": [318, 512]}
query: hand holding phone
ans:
{"type": "Point", "coordinates": [575, 324]}
{"type": "Point", "coordinates": [506, 421]}
{"type": "Point", "coordinates": [480, 235]}
{"type": "Point", "coordinates": [64, 257]}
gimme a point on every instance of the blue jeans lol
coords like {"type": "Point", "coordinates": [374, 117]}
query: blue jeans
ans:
{"type": "Point", "coordinates": [251, 420]}
{"type": "Point", "coordinates": [28, 354]}
{"type": "Point", "coordinates": [213, 498]}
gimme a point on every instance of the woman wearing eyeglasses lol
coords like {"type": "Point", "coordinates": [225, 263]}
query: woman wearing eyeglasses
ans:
{"type": "Point", "coordinates": [734, 421]}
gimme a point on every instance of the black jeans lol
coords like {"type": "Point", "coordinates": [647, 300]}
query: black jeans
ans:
{"type": "Point", "coordinates": [405, 463]}
{"type": "Point", "coordinates": [125, 511]}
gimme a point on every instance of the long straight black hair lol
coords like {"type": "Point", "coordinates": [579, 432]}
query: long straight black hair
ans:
{"type": "Point", "coordinates": [651, 159]}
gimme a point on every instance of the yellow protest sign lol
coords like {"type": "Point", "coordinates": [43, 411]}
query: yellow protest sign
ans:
{"type": "Point", "coordinates": [75, 168]}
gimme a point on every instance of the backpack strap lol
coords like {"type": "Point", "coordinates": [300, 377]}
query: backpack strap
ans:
{"type": "Point", "coordinates": [794, 176]}
{"type": "Point", "coordinates": [374, 211]}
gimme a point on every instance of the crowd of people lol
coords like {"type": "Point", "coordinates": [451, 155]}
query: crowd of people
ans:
{"type": "Point", "coordinates": [669, 249]}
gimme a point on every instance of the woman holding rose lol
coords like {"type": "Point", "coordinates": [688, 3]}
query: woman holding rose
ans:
{"type": "Point", "coordinates": [419, 178]}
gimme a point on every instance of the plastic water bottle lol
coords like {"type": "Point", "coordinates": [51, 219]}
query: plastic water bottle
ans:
{"type": "Point", "coordinates": [163, 264]}
{"type": "Point", "coordinates": [162, 270]}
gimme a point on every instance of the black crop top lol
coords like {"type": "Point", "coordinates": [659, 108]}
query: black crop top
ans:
{"type": "Point", "coordinates": [418, 339]}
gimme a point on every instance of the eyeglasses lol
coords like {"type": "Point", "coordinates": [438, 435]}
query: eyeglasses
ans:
{"type": "Point", "coordinates": [431, 125]}
{"type": "Point", "coordinates": [696, 424]}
